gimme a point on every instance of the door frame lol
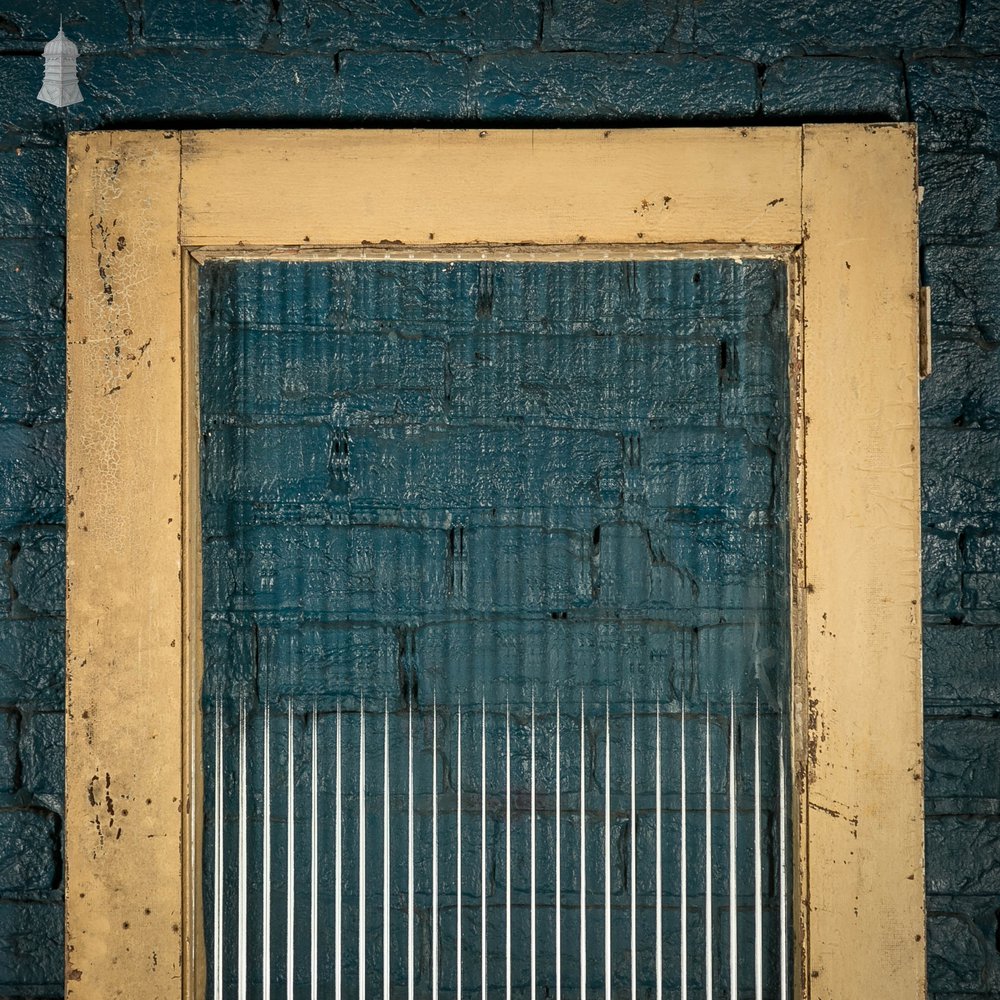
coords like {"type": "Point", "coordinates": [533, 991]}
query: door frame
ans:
{"type": "Point", "coordinates": [836, 203]}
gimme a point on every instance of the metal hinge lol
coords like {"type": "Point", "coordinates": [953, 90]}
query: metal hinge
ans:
{"type": "Point", "coordinates": [925, 332]}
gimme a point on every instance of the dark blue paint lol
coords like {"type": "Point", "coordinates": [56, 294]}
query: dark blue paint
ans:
{"type": "Point", "coordinates": [605, 441]}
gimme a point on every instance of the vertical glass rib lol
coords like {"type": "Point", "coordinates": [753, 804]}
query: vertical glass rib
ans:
{"type": "Point", "coordinates": [217, 921]}
{"type": "Point", "coordinates": [684, 862]}
{"type": "Point", "coordinates": [758, 910]}
{"type": "Point", "coordinates": [708, 854]}
{"type": "Point", "coordinates": [338, 842]}
{"type": "Point", "coordinates": [385, 857]}
{"type": "Point", "coordinates": [313, 864]}
{"type": "Point", "coordinates": [290, 869]}
{"type": "Point", "coordinates": [733, 957]}
{"type": "Point", "coordinates": [458, 855]}
{"type": "Point", "coordinates": [434, 853]}
{"type": "Point", "coordinates": [507, 852]}
{"type": "Point", "coordinates": [558, 847]}
{"type": "Point", "coordinates": [362, 853]}
{"type": "Point", "coordinates": [533, 883]}
{"type": "Point", "coordinates": [632, 871]}
{"type": "Point", "coordinates": [410, 953]}
{"type": "Point", "coordinates": [782, 867]}
{"type": "Point", "coordinates": [482, 857]}
{"type": "Point", "coordinates": [659, 862]}
{"type": "Point", "coordinates": [242, 858]}
{"type": "Point", "coordinates": [583, 852]}
{"type": "Point", "coordinates": [265, 936]}
{"type": "Point", "coordinates": [607, 847]}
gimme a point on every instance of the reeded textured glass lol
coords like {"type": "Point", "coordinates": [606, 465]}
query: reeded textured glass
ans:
{"type": "Point", "coordinates": [528, 523]}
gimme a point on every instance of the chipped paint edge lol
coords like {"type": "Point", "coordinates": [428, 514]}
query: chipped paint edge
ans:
{"type": "Point", "coordinates": [861, 798]}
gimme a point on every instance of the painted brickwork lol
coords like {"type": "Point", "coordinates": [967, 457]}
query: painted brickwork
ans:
{"type": "Point", "coordinates": [309, 62]}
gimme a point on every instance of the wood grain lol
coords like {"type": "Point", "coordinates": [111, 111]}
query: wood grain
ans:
{"type": "Point", "coordinates": [432, 187]}
{"type": "Point", "coordinates": [862, 802]}
{"type": "Point", "coordinates": [124, 773]}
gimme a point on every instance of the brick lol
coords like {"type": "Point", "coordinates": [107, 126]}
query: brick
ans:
{"type": "Point", "coordinates": [28, 852]}
{"type": "Point", "coordinates": [765, 30]}
{"type": "Point", "coordinates": [42, 748]}
{"type": "Point", "coordinates": [384, 377]}
{"type": "Point", "coordinates": [966, 285]}
{"type": "Point", "coordinates": [31, 948]}
{"type": "Point", "coordinates": [341, 573]}
{"type": "Point", "coordinates": [634, 298]}
{"type": "Point", "coordinates": [32, 378]}
{"type": "Point", "coordinates": [981, 27]}
{"type": "Point", "coordinates": [622, 659]}
{"type": "Point", "coordinates": [674, 382]}
{"type": "Point", "coordinates": [981, 597]}
{"type": "Point", "coordinates": [511, 569]}
{"type": "Point", "coordinates": [585, 87]}
{"type": "Point", "coordinates": [32, 655]}
{"type": "Point", "coordinates": [954, 102]}
{"type": "Point", "coordinates": [714, 473]}
{"type": "Point", "coordinates": [956, 953]}
{"type": "Point", "coordinates": [960, 195]}
{"type": "Point", "coordinates": [960, 666]}
{"type": "Point", "coordinates": [92, 25]}
{"type": "Point", "coordinates": [482, 467]}
{"type": "Point", "coordinates": [269, 464]}
{"type": "Point", "coordinates": [31, 473]}
{"type": "Point", "coordinates": [202, 24]}
{"type": "Point", "coordinates": [31, 281]}
{"type": "Point", "coordinates": [960, 764]}
{"type": "Point", "coordinates": [155, 85]}
{"type": "Point", "coordinates": [331, 664]}
{"type": "Point", "coordinates": [467, 26]}
{"type": "Point", "coordinates": [703, 567]}
{"type": "Point", "coordinates": [10, 729]}
{"type": "Point", "coordinates": [942, 995]}
{"type": "Point", "coordinates": [961, 470]}
{"type": "Point", "coordinates": [975, 917]}
{"type": "Point", "coordinates": [35, 201]}
{"type": "Point", "coordinates": [403, 85]}
{"type": "Point", "coordinates": [963, 854]}
{"type": "Point", "coordinates": [610, 25]}
{"type": "Point", "coordinates": [963, 391]}
{"type": "Point", "coordinates": [364, 573]}
{"type": "Point", "coordinates": [981, 546]}
{"type": "Point", "coordinates": [38, 571]}
{"type": "Point", "coordinates": [817, 86]}
{"type": "Point", "coordinates": [942, 570]}
{"type": "Point", "coordinates": [314, 660]}
{"type": "Point", "coordinates": [22, 115]}
{"type": "Point", "coordinates": [981, 579]}
{"type": "Point", "coordinates": [979, 916]}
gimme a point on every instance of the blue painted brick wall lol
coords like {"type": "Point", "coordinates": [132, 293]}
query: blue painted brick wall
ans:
{"type": "Point", "coordinates": [209, 62]}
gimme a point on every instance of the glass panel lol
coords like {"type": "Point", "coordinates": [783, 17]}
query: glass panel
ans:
{"type": "Point", "coordinates": [477, 535]}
